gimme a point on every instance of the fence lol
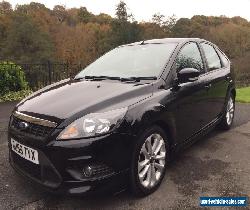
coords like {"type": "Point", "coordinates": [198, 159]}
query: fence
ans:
{"type": "Point", "coordinates": [42, 74]}
{"type": "Point", "coordinates": [242, 79]}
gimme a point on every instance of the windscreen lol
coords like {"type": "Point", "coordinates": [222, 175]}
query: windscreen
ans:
{"type": "Point", "coordinates": [145, 60]}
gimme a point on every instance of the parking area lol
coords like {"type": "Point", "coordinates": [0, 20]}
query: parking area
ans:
{"type": "Point", "coordinates": [217, 165]}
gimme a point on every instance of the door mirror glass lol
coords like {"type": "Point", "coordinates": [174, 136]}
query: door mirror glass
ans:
{"type": "Point", "coordinates": [188, 75]}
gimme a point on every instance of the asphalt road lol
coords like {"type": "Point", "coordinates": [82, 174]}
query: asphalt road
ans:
{"type": "Point", "coordinates": [217, 165]}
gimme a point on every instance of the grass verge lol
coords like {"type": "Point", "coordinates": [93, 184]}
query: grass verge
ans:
{"type": "Point", "coordinates": [243, 95]}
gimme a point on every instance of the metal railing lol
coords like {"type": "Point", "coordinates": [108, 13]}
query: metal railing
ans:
{"type": "Point", "coordinates": [242, 79]}
{"type": "Point", "coordinates": [39, 75]}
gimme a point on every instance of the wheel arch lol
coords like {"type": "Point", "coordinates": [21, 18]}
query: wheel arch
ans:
{"type": "Point", "coordinates": [167, 129]}
{"type": "Point", "coordinates": [165, 126]}
{"type": "Point", "coordinates": [154, 115]}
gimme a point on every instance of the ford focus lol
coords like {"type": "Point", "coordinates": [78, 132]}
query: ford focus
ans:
{"type": "Point", "coordinates": [119, 121]}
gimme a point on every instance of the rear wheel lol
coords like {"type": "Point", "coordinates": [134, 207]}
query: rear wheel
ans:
{"type": "Point", "coordinates": [149, 161]}
{"type": "Point", "coordinates": [228, 117]}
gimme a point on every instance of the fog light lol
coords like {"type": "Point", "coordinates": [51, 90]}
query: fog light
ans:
{"type": "Point", "coordinates": [88, 171]}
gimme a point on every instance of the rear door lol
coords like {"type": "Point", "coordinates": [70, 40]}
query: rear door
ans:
{"type": "Point", "coordinates": [217, 77]}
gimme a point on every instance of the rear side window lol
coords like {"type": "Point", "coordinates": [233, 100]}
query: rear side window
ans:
{"type": "Point", "coordinates": [224, 60]}
{"type": "Point", "coordinates": [189, 57]}
{"type": "Point", "coordinates": [212, 57]}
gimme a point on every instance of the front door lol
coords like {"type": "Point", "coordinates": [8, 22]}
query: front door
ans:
{"type": "Point", "coordinates": [190, 104]}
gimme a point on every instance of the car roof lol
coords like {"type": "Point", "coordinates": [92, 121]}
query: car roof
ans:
{"type": "Point", "coordinates": [167, 40]}
{"type": "Point", "coordinates": [175, 40]}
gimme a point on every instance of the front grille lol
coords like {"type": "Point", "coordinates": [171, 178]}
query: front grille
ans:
{"type": "Point", "coordinates": [33, 129]}
{"type": "Point", "coordinates": [101, 170]}
{"type": "Point", "coordinates": [28, 167]}
{"type": "Point", "coordinates": [87, 172]}
{"type": "Point", "coordinates": [98, 171]}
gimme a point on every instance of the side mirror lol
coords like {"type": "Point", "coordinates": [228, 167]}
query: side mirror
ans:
{"type": "Point", "coordinates": [188, 75]}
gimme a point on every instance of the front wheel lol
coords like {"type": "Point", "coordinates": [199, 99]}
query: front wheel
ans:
{"type": "Point", "coordinates": [149, 162]}
{"type": "Point", "coordinates": [228, 117]}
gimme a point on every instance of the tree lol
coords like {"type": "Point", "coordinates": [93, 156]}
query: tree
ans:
{"type": "Point", "coordinates": [121, 11]}
{"type": "Point", "coordinates": [102, 18]}
{"type": "Point", "coordinates": [5, 7]}
{"type": "Point", "coordinates": [151, 31]}
{"type": "Point", "coordinates": [5, 21]}
{"type": "Point", "coordinates": [84, 15]}
{"type": "Point", "coordinates": [60, 12]}
{"type": "Point", "coordinates": [170, 22]}
{"type": "Point", "coordinates": [232, 38]}
{"type": "Point", "coordinates": [124, 30]}
{"type": "Point", "coordinates": [240, 21]}
{"type": "Point", "coordinates": [158, 19]}
{"type": "Point", "coordinates": [34, 33]}
{"type": "Point", "coordinates": [41, 16]}
{"type": "Point", "coordinates": [182, 28]}
{"type": "Point", "coordinates": [72, 17]}
{"type": "Point", "coordinates": [25, 43]}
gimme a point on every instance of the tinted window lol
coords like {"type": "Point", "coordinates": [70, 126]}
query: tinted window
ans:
{"type": "Point", "coordinates": [189, 57]}
{"type": "Point", "coordinates": [131, 61]}
{"type": "Point", "coordinates": [212, 57]}
{"type": "Point", "coordinates": [223, 58]}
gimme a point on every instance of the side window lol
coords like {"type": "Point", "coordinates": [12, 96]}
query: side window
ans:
{"type": "Point", "coordinates": [224, 60]}
{"type": "Point", "coordinates": [189, 57]}
{"type": "Point", "coordinates": [212, 57]}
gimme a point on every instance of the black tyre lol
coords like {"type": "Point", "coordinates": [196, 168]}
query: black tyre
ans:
{"type": "Point", "coordinates": [150, 158]}
{"type": "Point", "coordinates": [228, 117]}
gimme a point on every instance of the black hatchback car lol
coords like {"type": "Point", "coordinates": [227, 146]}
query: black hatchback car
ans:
{"type": "Point", "coordinates": [119, 120]}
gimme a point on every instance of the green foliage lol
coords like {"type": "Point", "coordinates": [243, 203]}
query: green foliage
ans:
{"type": "Point", "coordinates": [84, 15]}
{"type": "Point", "coordinates": [124, 32]}
{"type": "Point", "coordinates": [11, 78]}
{"type": "Point", "coordinates": [15, 96]}
{"type": "Point", "coordinates": [243, 95]}
{"type": "Point", "coordinates": [25, 42]}
{"type": "Point", "coordinates": [121, 11]}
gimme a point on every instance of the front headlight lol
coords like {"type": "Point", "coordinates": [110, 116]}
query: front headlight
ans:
{"type": "Point", "coordinates": [93, 124]}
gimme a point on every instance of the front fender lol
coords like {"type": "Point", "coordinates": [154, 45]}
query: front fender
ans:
{"type": "Point", "coordinates": [146, 115]}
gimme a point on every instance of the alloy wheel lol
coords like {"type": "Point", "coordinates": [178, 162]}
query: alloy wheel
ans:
{"type": "Point", "coordinates": [152, 160]}
{"type": "Point", "coordinates": [230, 111]}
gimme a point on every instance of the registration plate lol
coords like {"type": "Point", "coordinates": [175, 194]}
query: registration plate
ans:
{"type": "Point", "coordinates": [24, 151]}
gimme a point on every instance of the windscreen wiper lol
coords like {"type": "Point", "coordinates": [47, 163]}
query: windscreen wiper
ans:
{"type": "Point", "coordinates": [98, 78]}
{"type": "Point", "coordinates": [137, 79]}
{"type": "Point", "coordinates": [102, 77]}
{"type": "Point", "coordinates": [122, 79]}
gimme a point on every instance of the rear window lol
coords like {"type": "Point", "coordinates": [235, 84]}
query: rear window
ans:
{"type": "Point", "coordinates": [224, 60]}
{"type": "Point", "coordinates": [212, 57]}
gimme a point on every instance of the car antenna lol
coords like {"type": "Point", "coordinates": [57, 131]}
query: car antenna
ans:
{"type": "Point", "coordinates": [142, 43]}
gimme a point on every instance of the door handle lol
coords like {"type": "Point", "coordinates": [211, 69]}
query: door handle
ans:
{"type": "Point", "coordinates": [208, 86]}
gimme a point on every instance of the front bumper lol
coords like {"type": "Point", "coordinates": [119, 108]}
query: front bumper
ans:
{"type": "Point", "coordinates": [62, 163]}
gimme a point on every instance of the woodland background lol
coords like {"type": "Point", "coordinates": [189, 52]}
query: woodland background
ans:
{"type": "Point", "coordinates": [34, 34]}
